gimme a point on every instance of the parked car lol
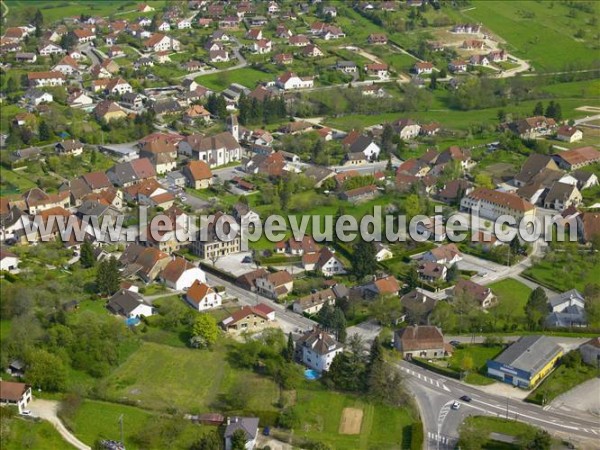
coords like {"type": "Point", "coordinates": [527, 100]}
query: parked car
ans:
{"type": "Point", "coordinates": [247, 260]}
{"type": "Point", "coordinates": [26, 412]}
{"type": "Point", "coordinates": [454, 343]}
{"type": "Point", "coordinates": [455, 405]}
{"type": "Point", "coordinates": [466, 398]}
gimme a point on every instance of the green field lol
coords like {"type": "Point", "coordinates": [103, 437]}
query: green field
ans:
{"type": "Point", "coordinates": [160, 377]}
{"type": "Point", "coordinates": [479, 354]}
{"type": "Point", "coordinates": [512, 296]}
{"type": "Point", "coordinates": [479, 428]}
{"type": "Point", "coordinates": [529, 37]}
{"type": "Point", "coordinates": [246, 76]}
{"type": "Point", "coordinates": [57, 10]}
{"type": "Point", "coordinates": [382, 426]}
{"type": "Point", "coordinates": [560, 381]}
{"type": "Point", "coordinates": [24, 434]}
{"type": "Point", "coordinates": [566, 270]}
{"type": "Point", "coordinates": [461, 120]}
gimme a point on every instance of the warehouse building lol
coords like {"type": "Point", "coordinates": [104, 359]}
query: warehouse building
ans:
{"type": "Point", "coordinates": [525, 362]}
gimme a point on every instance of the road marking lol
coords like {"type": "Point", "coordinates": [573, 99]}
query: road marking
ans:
{"type": "Point", "coordinates": [446, 388]}
{"type": "Point", "coordinates": [593, 431]}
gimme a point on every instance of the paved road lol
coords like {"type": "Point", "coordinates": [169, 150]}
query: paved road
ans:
{"type": "Point", "coordinates": [288, 320]}
{"type": "Point", "coordinates": [435, 393]}
{"type": "Point", "coordinates": [47, 409]}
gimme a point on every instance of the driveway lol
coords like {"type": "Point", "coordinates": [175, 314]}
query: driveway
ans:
{"type": "Point", "coordinates": [47, 409]}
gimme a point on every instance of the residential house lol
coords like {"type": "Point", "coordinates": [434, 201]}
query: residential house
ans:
{"type": "Point", "coordinates": [149, 193]}
{"type": "Point", "coordinates": [162, 154]}
{"type": "Point", "coordinates": [179, 274]}
{"type": "Point", "coordinates": [129, 173]}
{"type": "Point", "coordinates": [262, 46]}
{"type": "Point", "coordinates": [382, 252]}
{"type": "Point", "coordinates": [432, 271]}
{"type": "Point", "coordinates": [248, 280]}
{"type": "Point", "coordinates": [407, 129]}
{"type": "Point", "coordinates": [8, 261]}
{"type": "Point", "coordinates": [69, 147]}
{"type": "Point", "coordinates": [249, 319]}
{"type": "Point", "coordinates": [107, 111]}
{"type": "Point", "coordinates": [473, 44]}
{"type": "Point", "coordinates": [202, 297]}
{"type": "Point", "coordinates": [533, 166]}
{"type": "Point", "coordinates": [17, 394]}
{"type": "Point", "coordinates": [129, 304]}
{"type": "Point", "coordinates": [298, 41]}
{"type": "Point", "coordinates": [198, 174]}
{"type": "Point", "coordinates": [35, 97]}
{"type": "Point", "coordinates": [386, 286]}
{"type": "Point", "coordinates": [377, 38]}
{"type": "Point", "coordinates": [44, 79]}
{"type": "Point", "coordinates": [457, 66]}
{"type": "Point", "coordinates": [67, 66]}
{"type": "Point", "coordinates": [316, 349]}
{"type": "Point", "coordinates": [424, 67]}
{"type": "Point", "coordinates": [289, 80]}
{"type": "Point", "coordinates": [313, 303]}
{"type": "Point", "coordinates": [324, 261]}
{"type": "Point", "coordinates": [455, 154]}
{"type": "Point", "coordinates": [26, 57]}
{"type": "Point", "coordinates": [454, 190]}
{"type": "Point", "coordinates": [379, 70]}
{"type": "Point", "coordinates": [561, 196]}
{"type": "Point", "coordinates": [568, 133]}
{"type": "Point", "coordinates": [312, 51]}
{"type": "Point", "coordinates": [479, 60]}
{"type": "Point", "coordinates": [481, 294]}
{"type": "Point", "coordinates": [422, 341]}
{"type": "Point", "coordinates": [49, 49]}
{"type": "Point", "coordinates": [79, 99]}
{"type": "Point", "coordinates": [36, 200]}
{"type": "Point", "coordinates": [210, 247]}
{"type": "Point", "coordinates": [160, 42]}
{"type": "Point", "coordinates": [532, 127]}
{"type": "Point", "coordinates": [570, 316]}
{"type": "Point", "coordinates": [585, 179]}
{"type": "Point", "coordinates": [82, 36]}
{"type": "Point", "coordinates": [254, 34]}
{"type": "Point", "coordinates": [492, 204]}
{"type": "Point", "coordinates": [248, 425]}
{"type": "Point", "coordinates": [417, 305]}
{"type": "Point", "coordinates": [283, 59]}
{"type": "Point", "coordinates": [355, 142]}
{"type": "Point", "coordinates": [145, 262]}
{"type": "Point", "coordinates": [346, 66]}
{"type": "Point", "coordinates": [132, 100]}
{"type": "Point", "coordinates": [275, 285]}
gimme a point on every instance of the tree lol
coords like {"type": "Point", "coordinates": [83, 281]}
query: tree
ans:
{"type": "Point", "coordinates": [443, 72]}
{"type": "Point", "coordinates": [466, 363]}
{"type": "Point", "coordinates": [288, 352]}
{"type": "Point", "coordinates": [45, 370]}
{"type": "Point", "coordinates": [433, 81]}
{"type": "Point", "coordinates": [540, 440]}
{"type": "Point", "coordinates": [551, 109]}
{"type": "Point", "coordinates": [538, 109]}
{"type": "Point", "coordinates": [204, 331]}
{"type": "Point", "coordinates": [387, 139]}
{"type": "Point", "coordinates": [484, 180]}
{"type": "Point", "coordinates": [338, 324]}
{"type": "Point", "coordinates": [471, 437]}
{"type": "Point", "coordinates": [38, 22]}
{"type": "Point", "coordinates": [412, 206]}
{"type": "Point", "coordinates": [238, 440]}
{"type": "Point", "coordinates": [364, 262]}
{"type": "Point", "coordinates": [210, 441]}
{"type": "Point", "coordinates": [44, 131]}
{"type": "Point", "coordinates": [108, 277]}
{"type": "Point", "coordinates": [94, 157]}
{"type": "Point", "coordinates": [453, 273]}
{"type": "Point", "coordinates": [87, 258]}
{"type": "Point", "coordinates": [412, 279]}
{"type": "Point", "coordinates": [501, 115]}
{"type": "Point", "coordinates": [537, 308]}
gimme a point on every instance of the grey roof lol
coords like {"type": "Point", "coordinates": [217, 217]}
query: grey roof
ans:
{"type": "Point", "coordinates": [319, 341]}
{"type": "Point", "coordinates": [340, 290]}
{"type": "Point", "coordinates": [529, 353]}
{"type": "Point", "coordinates": [571, 316]}
{"type": "Point", "coordinates": [360, 144]}
{"type": "Point", "coordinates": [560, 191]}
{"type": "Point", "coordinates": [248, 425]}
{"type": "Point", "coordinates": [565, 297]}
{"type": "Point", "coordinates": [124, 302]}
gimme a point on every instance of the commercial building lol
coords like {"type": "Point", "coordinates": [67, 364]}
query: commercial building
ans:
{"type": "Point", "coordinates": [525, 362]}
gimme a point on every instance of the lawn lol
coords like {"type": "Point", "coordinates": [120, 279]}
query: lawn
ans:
{"type": "Point", "coordinates": [28, 434]}
{"type": "Point", "coordinates": [566, 268]}
{"type": "Point", "coordinates": [459, 120]}
{"type": "Point", "coordinates": [479, 354]}
{"type": "Point", "coordinates": [159, 377]}
{"type": "Point", "coordinates": [57, 10]}
{"type": "Point", "coordinates": [484, 426]}
{"type": "Point", "coordinates": [560, 381]}
{"type": "Point", "coordinates": [14, 182]}
{"type": "Point", "coordinates": [512, 296]}
{"type": "Point", "coordinates": [525, 25]}
{"type": "Point", "coordinates": [321, 410]}
{"type": "Point", "coordinates": [246, 76]}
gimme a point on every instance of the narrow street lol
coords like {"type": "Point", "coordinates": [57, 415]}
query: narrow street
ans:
{"type": "Point", "coordinates": [47, 410]}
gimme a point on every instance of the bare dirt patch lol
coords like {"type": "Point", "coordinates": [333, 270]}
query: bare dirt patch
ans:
{"type": "Point", "coordinates": [351, 421]}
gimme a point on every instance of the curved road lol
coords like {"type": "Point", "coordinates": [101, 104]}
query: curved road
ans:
{"type": "Point", "coordinates": [47, 410]}
{"type": "Point", "coordinates": [435, 394]}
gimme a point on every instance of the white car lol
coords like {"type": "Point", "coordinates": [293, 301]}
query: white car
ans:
{"type": "Point", "coordinates": [26, 412]}
{"type": "Point", "coordinates": [455, 405]}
